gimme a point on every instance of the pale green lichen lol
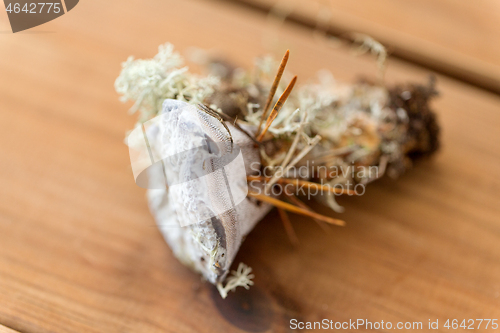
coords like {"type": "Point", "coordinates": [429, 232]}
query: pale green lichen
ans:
{"type": "Point", "coordinates": [149, 82]}
{"type": "Point", "coordinates": [368, 44]}
{"type": "Point", "coordinates": [239, 278]}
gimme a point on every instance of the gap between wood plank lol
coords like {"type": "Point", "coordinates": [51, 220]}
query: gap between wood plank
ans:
{"type": "Point", "coordinates": [5, 329]}
{"type": "Point", "coordinates": [461, 67]}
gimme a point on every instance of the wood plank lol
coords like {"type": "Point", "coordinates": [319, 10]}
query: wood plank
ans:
{"type": "Point", "coordinates": [458, 38]}
{"type": "Point", "coordinates": [4, 329]}
{"type": "Point", "coordinates": [79, 250]}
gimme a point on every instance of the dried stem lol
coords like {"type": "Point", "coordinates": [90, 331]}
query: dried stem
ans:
{"type": "Point", "coordinates": [295, 209]}
{"type": "Point", "coordinates": [296, 160]}
{"type": "Point", "coordinates": [324, 156]}
{"type": "Point", "coordinates": [295, 142]}
{"type": "Point", "coordinates": [277, 107]}
{"type": "Point", "coordinates": [276, 82]}
{"type": "Point", "coordinates": [299, 203]}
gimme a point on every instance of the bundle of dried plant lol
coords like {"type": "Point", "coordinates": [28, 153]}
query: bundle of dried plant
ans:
{"type": "Point", "coordinates": [323, 138]}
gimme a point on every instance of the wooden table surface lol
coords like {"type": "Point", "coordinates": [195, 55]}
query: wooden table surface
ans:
{"type": "Point", "coordinates": [79, 251]}
{"type": "Point", "coordinates": [457, 38]}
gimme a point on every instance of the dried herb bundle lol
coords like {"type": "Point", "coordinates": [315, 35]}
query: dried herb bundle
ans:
{"type": "Point", "coordinates": [325, 136]}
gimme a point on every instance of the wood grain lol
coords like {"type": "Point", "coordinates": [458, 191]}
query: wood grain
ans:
{"type": "Point", "coordinates": [79, 251]}
{"type": "Point", "coordinates": [457, 38]}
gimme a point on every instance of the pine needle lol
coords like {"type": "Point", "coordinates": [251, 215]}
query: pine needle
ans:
{"type": "Point", "coordinates": [299, 203]}
{"type": "Point", "coordinates": [295, 209]}
{"type": "Point", "coordinates": [277, 107]}
{"type": "Point", "coordinates": [276, 82]}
